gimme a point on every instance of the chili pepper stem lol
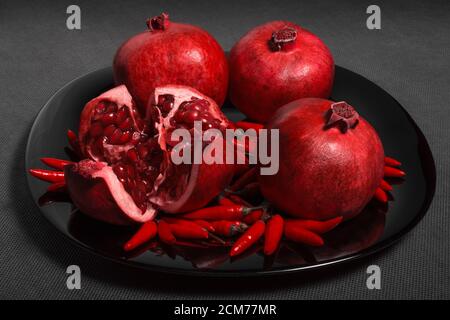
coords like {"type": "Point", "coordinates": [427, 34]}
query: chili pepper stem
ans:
{"type": "Point", "coordinates": [213, 236]}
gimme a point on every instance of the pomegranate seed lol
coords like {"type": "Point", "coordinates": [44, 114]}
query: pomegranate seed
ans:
{"type": "Point", "coordinates": [109, 130]}
{"type": "Point", "coordinates": [96, 129]}
{"type": "Point", "coordinates": [191, 116]}
{"type": "Point", "coordinates": [108, 118]}
{"type": "Point", "coordinates": [131, 172]}
{"type": "Point", "coordinates": [143, 137]}
{"type": "Point", "coordinates": [135, 138]}
{"type": "Point", "coordinates": [115, 137]}
{"type": "Point", "coordinates": [112, 108]}
{"type": "Point", "coordinates": [100, 108]}
{"type": "Point", "coordinates": [143, 151]}
{"type": "Point", "coordinates": [125, 124]}
{"type": "Point", "coordinates": [132, 155]}
{"type": "Point", "coordinates": [122, 115]}
{"type": "Point", "coordinates": [126, 136]}
{"type": "Point", "coordinates": [120, 171]}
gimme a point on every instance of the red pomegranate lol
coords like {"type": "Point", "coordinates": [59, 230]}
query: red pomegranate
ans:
{"type": "Point", "coordinates": [129, 172]}
{"type": "Point", "coordinates": [276, 63]}
{"type": "Point", "coordinates": [331, 160]}
{"type": "Point", "coordinates": [171, 53]}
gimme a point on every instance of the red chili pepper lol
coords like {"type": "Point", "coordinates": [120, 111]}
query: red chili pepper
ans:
{"type": "Point", "coordinates": [145, 233]}
{"type": "Point", "coordinates": [248, 177]}
{"type": "Point", "coordinates": [315, 226]}
{"type": "Point", "coordinates": [165, 234]}
{"type": "Point", "coordinates": [385, 185]}
{"type": "Point", "coordinates": [205, 224]}
{"type": "Point", "coordinates": [73, 141]}
{"type": "Point", "coordinates": [238, 200]}
{"type": "Point", "coordinates": [56, 163]}
{"type": "Point", "coordinates": [228, 228]}
{"type": "Point", "coordinates": [302, 235]}
{"type": "Point", "coordinates": [380, 195]}
{"type": "Point", "coordinates": [273, 234]}
{"type": "Point", "coordinates": [392, 162]}
{"type": "Point", "coordinates": [184, 231]}
{"type": "Point", "coordinates": [48, 175]}
{"type": "Point", "coordinates": [393, 172]}
{"type": "Point", "coordinates": [249, 125]}
{"type": "Point", "coordinates": [234, 212]}
{"type": "Point", "coordinates": [57, 187]}
{"type": "Point", "coordinates": [224, 201]}
{"type": "Point", "coordinates": [250, 237]}
{"type": "Point", "coordinates": [253, 216]}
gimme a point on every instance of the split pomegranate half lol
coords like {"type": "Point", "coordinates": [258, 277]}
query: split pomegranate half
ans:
{"type": "Point", "coordinates": [129, 174]}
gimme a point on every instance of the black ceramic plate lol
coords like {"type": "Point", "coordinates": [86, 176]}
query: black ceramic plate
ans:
{"type": "Point", "coordinates": [375, 229]}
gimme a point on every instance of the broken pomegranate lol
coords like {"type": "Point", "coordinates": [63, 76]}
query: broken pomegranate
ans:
{"type": "Point", "coordinates": [129, 173]}
{"type": "Point", "coordinates": [171, 53]}
{"type": "Point", "coordinates": [277, 63]}
{"type": "Point", "coordinates": [332, 160]}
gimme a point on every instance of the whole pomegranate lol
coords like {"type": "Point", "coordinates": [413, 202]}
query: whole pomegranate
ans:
{"type": "Point", "coordinates": [171, 53]}
{"type": "Point", "coordinates": [128, 173]}
{"type": "Point", "coordinates": [276, 63]}
{"type": "Point", "coordinates": [331, 160]}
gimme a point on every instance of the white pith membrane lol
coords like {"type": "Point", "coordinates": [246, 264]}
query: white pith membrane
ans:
{"type": "Point", "coordinates": [135, 156]}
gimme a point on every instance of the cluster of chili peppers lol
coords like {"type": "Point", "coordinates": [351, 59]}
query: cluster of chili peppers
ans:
{"type": "Point", "coordinates": [231, 217]}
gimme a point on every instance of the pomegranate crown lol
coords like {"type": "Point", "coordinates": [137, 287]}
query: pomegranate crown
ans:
{"type": "Point", "coordinates": [160, 22]}
{"type": "Point", "coordinates": [344, 115]}
{"type": "Point", "coordinates": [282, 37]}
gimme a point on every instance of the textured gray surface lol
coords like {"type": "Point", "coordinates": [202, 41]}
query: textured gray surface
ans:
{"type": "Point", "coordinates": [409, 58]}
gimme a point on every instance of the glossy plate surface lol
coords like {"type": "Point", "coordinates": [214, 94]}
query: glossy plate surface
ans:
{"type": "Point", "coordinates": [375, 229]}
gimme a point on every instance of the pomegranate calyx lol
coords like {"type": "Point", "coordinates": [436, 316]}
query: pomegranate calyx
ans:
{"type": "Point", "coordinates": [160, 22]}
{"type": "Point", "coordinates": [282, 37]}
{"type": "Point", "coordinates": [344, 115]}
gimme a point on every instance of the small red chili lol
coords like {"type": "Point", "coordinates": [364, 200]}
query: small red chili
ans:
{"type": "Point", "coordinates": [184, 231]}
{"type": "Point", "coordinates": [248, 177]}
{"type": "Point", "coordinates": [253, 216]}
{"type": "Point", "coordinates": [165, 234]}
{"type": "Point", "coordinates": [315, 226]}
{"type": "Point", "coordinates": [73, 142]}
{"type": "Point", "coordinates": [57, 187]}
{"type": "Point", "coordinates": [48, 175]}
{"type": "Point", "coordinates": [273, 234]}
{"type": "Point", "coordinates": [248, 125]}
{"type": "Point", "coordinates": [392, 162]}
{"type": "Point", "coordinates": [56, 163]}
{"type": "Point", "coordinates": [234, 212]}
{"type": "Point", "coordinates": [224, 201]}
{"type": "Point", "coordinates": [302, 235]}
{"type": "Point", "coordinates": [250, 237]}
{"type": "Point", "coordinates": [380, 195]}
{"type": "Point", "coordinates": [385, 185]}
{"type": "Point", "coordinates": [228, 228]}
{"type": "Point", "coordinates": [145, 233]}
{"type": "Point", "coordinates": [205, 224]}
{"type": "Point", "coordinates": [393, 172]}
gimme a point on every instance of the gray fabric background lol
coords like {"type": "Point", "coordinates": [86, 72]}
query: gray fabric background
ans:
{"type": "Point", "coordinates": [409, 57]}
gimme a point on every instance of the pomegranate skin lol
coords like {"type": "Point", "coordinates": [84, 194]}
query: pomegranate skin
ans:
{"type": "Point", "coordinates": [97, 192]}
{"type": "Point", "coordinates": [263, 79]}
{"type": "Point", "coordinates": [178, 54]}
{"type": "Point", "coordinates": [324, 172]}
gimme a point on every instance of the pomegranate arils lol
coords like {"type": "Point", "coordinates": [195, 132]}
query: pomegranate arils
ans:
{"type": "Point", "coordinates": [195, 110]}
{"type": "Point", "coordinates": [96, 129]}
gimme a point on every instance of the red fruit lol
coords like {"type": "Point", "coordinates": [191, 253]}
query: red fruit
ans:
{"type": "Point", "coordinates": [276, 63]}
{"type": "Point", "coordinates": [171, 53]}
{"type": "Point", "coordinates": [95, 189]}
{"type": "Point", "coordinates": [331, 160]}
{"type": "Point", "coordinates": [130, 171]}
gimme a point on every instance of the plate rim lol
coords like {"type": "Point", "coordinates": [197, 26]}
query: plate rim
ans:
{"type": "Point", "coordinates": [354, 257]}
